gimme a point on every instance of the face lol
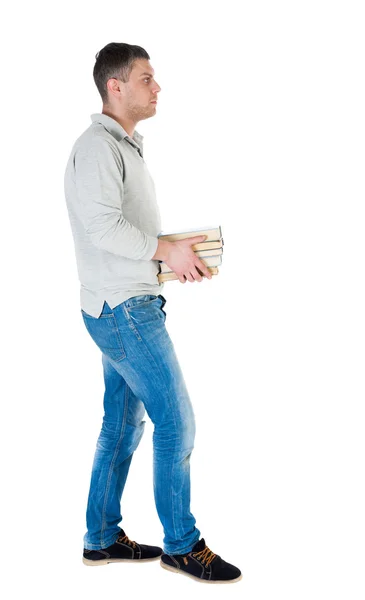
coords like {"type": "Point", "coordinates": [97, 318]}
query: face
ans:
{"type": "Point", "coordinates": [138, 96]}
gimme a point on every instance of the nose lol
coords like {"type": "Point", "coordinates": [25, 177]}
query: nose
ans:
{"type": "Point", "coordinates": [156, 88]}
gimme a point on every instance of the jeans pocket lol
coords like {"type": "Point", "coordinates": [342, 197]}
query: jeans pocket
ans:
{"type": "Point", "coordinates": [146, 311]}
{"type": "Point", "coordinates": [141, 300]}
{"type": "Point", "coordinates": [106, 335]}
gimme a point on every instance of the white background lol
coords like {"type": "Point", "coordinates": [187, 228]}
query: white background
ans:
{"type": "Point", "coordinates": [259, 129]}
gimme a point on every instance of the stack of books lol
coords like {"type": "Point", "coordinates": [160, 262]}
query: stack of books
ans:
{"type": "Point", "coordinates": [209, 252]}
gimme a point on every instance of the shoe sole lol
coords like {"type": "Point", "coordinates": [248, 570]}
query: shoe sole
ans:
{"type": "Point", "coordinates": [105, 561]}
{"type": "Point", "coordinates": [181, 572]}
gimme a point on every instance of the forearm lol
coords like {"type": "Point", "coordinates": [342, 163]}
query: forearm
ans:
{"type": "Point", "coordinates": [116, 235]}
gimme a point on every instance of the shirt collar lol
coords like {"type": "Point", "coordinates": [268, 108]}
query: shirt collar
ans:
{"type": "Point", "coordinates": [117, 130]}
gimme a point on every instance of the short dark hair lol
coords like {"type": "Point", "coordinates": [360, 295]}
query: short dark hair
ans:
{"type": "Point", "coordinates": [115, 60]}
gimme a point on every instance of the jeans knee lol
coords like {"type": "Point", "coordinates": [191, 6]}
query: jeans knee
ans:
{"type": "Point", "coordinates": [114, 434]}
{"type": "Point", "coordinates": [174, 436]}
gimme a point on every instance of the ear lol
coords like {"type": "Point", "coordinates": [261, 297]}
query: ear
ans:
{"type": "Point", "coordinates": [115, 86]}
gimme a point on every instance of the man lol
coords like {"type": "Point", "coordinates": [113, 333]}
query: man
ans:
{"type": "Point", "coordinates": [115, 221]}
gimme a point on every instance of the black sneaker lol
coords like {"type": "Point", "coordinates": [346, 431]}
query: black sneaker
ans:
{"type": "Point", "coordinates": [201, 564]}
{"type": "Point", "coordinates": [122, 550]}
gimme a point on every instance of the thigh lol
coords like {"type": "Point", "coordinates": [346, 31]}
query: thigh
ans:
{"type": "Point", "coordinates": [151, 366]}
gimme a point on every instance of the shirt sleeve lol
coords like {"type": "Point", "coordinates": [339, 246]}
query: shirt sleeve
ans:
{"type": "Point", "coordinates": [99, 188]}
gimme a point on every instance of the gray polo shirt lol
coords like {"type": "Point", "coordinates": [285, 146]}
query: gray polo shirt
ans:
{"type": "Point", "coordinates": [114, 216]}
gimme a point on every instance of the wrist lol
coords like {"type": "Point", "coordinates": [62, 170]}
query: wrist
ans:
{"type": "Point", "coordinates": [162, 251]}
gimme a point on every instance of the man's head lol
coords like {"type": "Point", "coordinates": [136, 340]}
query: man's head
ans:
{"type": "Point", "coordinates": [125, 80]}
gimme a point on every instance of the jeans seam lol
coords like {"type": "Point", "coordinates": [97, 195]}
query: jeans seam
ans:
{"type": "Point", "coordinates": [121, 346]}
{"type": "Point", "coordinates": [103, 515]}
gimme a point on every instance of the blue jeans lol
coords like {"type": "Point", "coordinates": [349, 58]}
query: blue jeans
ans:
{"type": "Point", "coordinates": [141, 373]}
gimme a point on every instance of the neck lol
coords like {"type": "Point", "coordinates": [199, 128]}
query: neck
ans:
{"type": "Point", "coordinates": [127, 124]}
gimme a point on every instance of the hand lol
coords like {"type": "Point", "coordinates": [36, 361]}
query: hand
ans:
{"type": "Point", "coordinates": [184, 262]}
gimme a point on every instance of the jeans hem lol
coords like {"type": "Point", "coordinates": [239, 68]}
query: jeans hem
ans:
{"type": "Point", "coordinates": [183, 550]}
{"type": "Point", "coordinates": [107, 543]}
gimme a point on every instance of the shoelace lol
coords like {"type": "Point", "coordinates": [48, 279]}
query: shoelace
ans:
{"type": "Point", "coordinates": [125, 539]}
{"type": "Point", "coordinates": [205, 556]}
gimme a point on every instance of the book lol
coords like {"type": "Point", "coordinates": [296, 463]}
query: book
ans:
{"type": "Point", "coordinates": [213, 234]}
{"type": "Point", "coordinates": [209, 261]}
{"type": "Point", "coordinates": [207, 245]}
{"type": "Point", "coordinates": [205, 253]}
{"type": "Point", "coordinates": [171, 275]}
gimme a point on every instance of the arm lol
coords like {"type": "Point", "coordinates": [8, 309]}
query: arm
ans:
{"type": "Point", "coordinates": [99, 185]}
